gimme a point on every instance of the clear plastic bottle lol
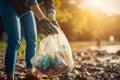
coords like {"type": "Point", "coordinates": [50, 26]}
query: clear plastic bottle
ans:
{"type": "Point", "coordinates": [45, 62]}
{"type": "Point", "coordinates": [64, 52]}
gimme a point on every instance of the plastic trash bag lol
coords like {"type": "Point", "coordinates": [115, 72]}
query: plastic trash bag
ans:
{"type": "Point", "coordinates": [54, 55]}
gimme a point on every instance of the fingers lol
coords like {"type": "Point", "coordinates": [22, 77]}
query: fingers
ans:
{"type": "Point", "coordinates": [55, 31]}
{"type": "Point", "coordinates": [52, 29]}
{"type": "Point", "coordinates": [48, 27]}
{"type": "Point", "coordinates": [55, 23]}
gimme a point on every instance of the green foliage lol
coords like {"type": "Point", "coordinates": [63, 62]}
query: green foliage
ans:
{"type": "Point", "coordinates": [86, 24]}
{"type": "Point", "coordinates": [2, 46]}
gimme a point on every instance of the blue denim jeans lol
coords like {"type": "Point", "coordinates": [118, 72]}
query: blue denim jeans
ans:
{"type": "Point", "coordinates": [13, 26]}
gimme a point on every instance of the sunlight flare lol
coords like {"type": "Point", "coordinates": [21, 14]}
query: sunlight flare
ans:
{"type": "Point", "coordinates": [95, 2]}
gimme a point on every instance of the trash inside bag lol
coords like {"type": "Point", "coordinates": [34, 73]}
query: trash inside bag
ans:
{"type": "Point", "coordinates": [54, 55]}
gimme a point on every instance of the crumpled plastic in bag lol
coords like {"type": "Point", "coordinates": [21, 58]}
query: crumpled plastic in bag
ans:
{"type": "Point", "coordinates": [54, 55]}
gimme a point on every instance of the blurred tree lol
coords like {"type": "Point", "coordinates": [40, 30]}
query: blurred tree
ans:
{"type": "Point", "coordinates": [83, 24]}
{"type": "Point", "coordinates": [87, 24]}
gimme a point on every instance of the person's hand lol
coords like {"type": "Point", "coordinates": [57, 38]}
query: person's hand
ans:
{"type": "Point", "coordinates": [55, 23]}
{"type": "Point", "coordinates": [48, 27]}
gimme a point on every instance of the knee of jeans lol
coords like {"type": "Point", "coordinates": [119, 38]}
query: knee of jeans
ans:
{"type": "Point", "coordinates": [15, 43]}
{"type": "Point", "coordinates": [31, 43]}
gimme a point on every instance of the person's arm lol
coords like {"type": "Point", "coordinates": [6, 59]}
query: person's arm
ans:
{"type": "Point", "coordinates": [49, 7]}
{"type": "Point", "coordinates": [51, 16]}
{"type": "Point", "coordinates": [50, 11]}
{"type": "Point", "coordinates": [37, 11]}
{"type": "Point", "coordinates": [46, 25]}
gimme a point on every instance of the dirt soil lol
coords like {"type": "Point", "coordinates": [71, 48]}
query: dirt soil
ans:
{"type": "Point", "coordinates": [89, 65]}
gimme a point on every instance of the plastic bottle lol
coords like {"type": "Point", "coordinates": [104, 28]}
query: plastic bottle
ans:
{"type": "Point", "coordinates": [45, 62]}
{"type": "Point", "coordinates": [63, 46]}
{"type": "Point", "coordinates": [64, 52]}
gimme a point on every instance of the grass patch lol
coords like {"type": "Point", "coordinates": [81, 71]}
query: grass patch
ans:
{"type": "Point", "coordinates": [74, 45]}
{"type": "Point", "coordinates": [3, 46]}
{"type": "Point", "coordinates": [80, 44]}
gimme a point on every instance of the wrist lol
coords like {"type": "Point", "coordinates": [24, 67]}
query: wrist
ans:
{"type": "Point", "coordinates": [42, 21]}
{"type": "Point", "coordinates": [51, 17]}
{"type": "Point", "coordinates": [42, 18]}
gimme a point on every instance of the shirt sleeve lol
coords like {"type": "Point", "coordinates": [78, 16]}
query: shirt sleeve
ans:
{"type": "Point", "coordinates": [49, 6]}
{"type": "Point", "coordinates": [32, 2]}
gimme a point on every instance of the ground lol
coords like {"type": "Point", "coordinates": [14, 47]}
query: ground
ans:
{"type": "Point", "coordinates": [89, 65]}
